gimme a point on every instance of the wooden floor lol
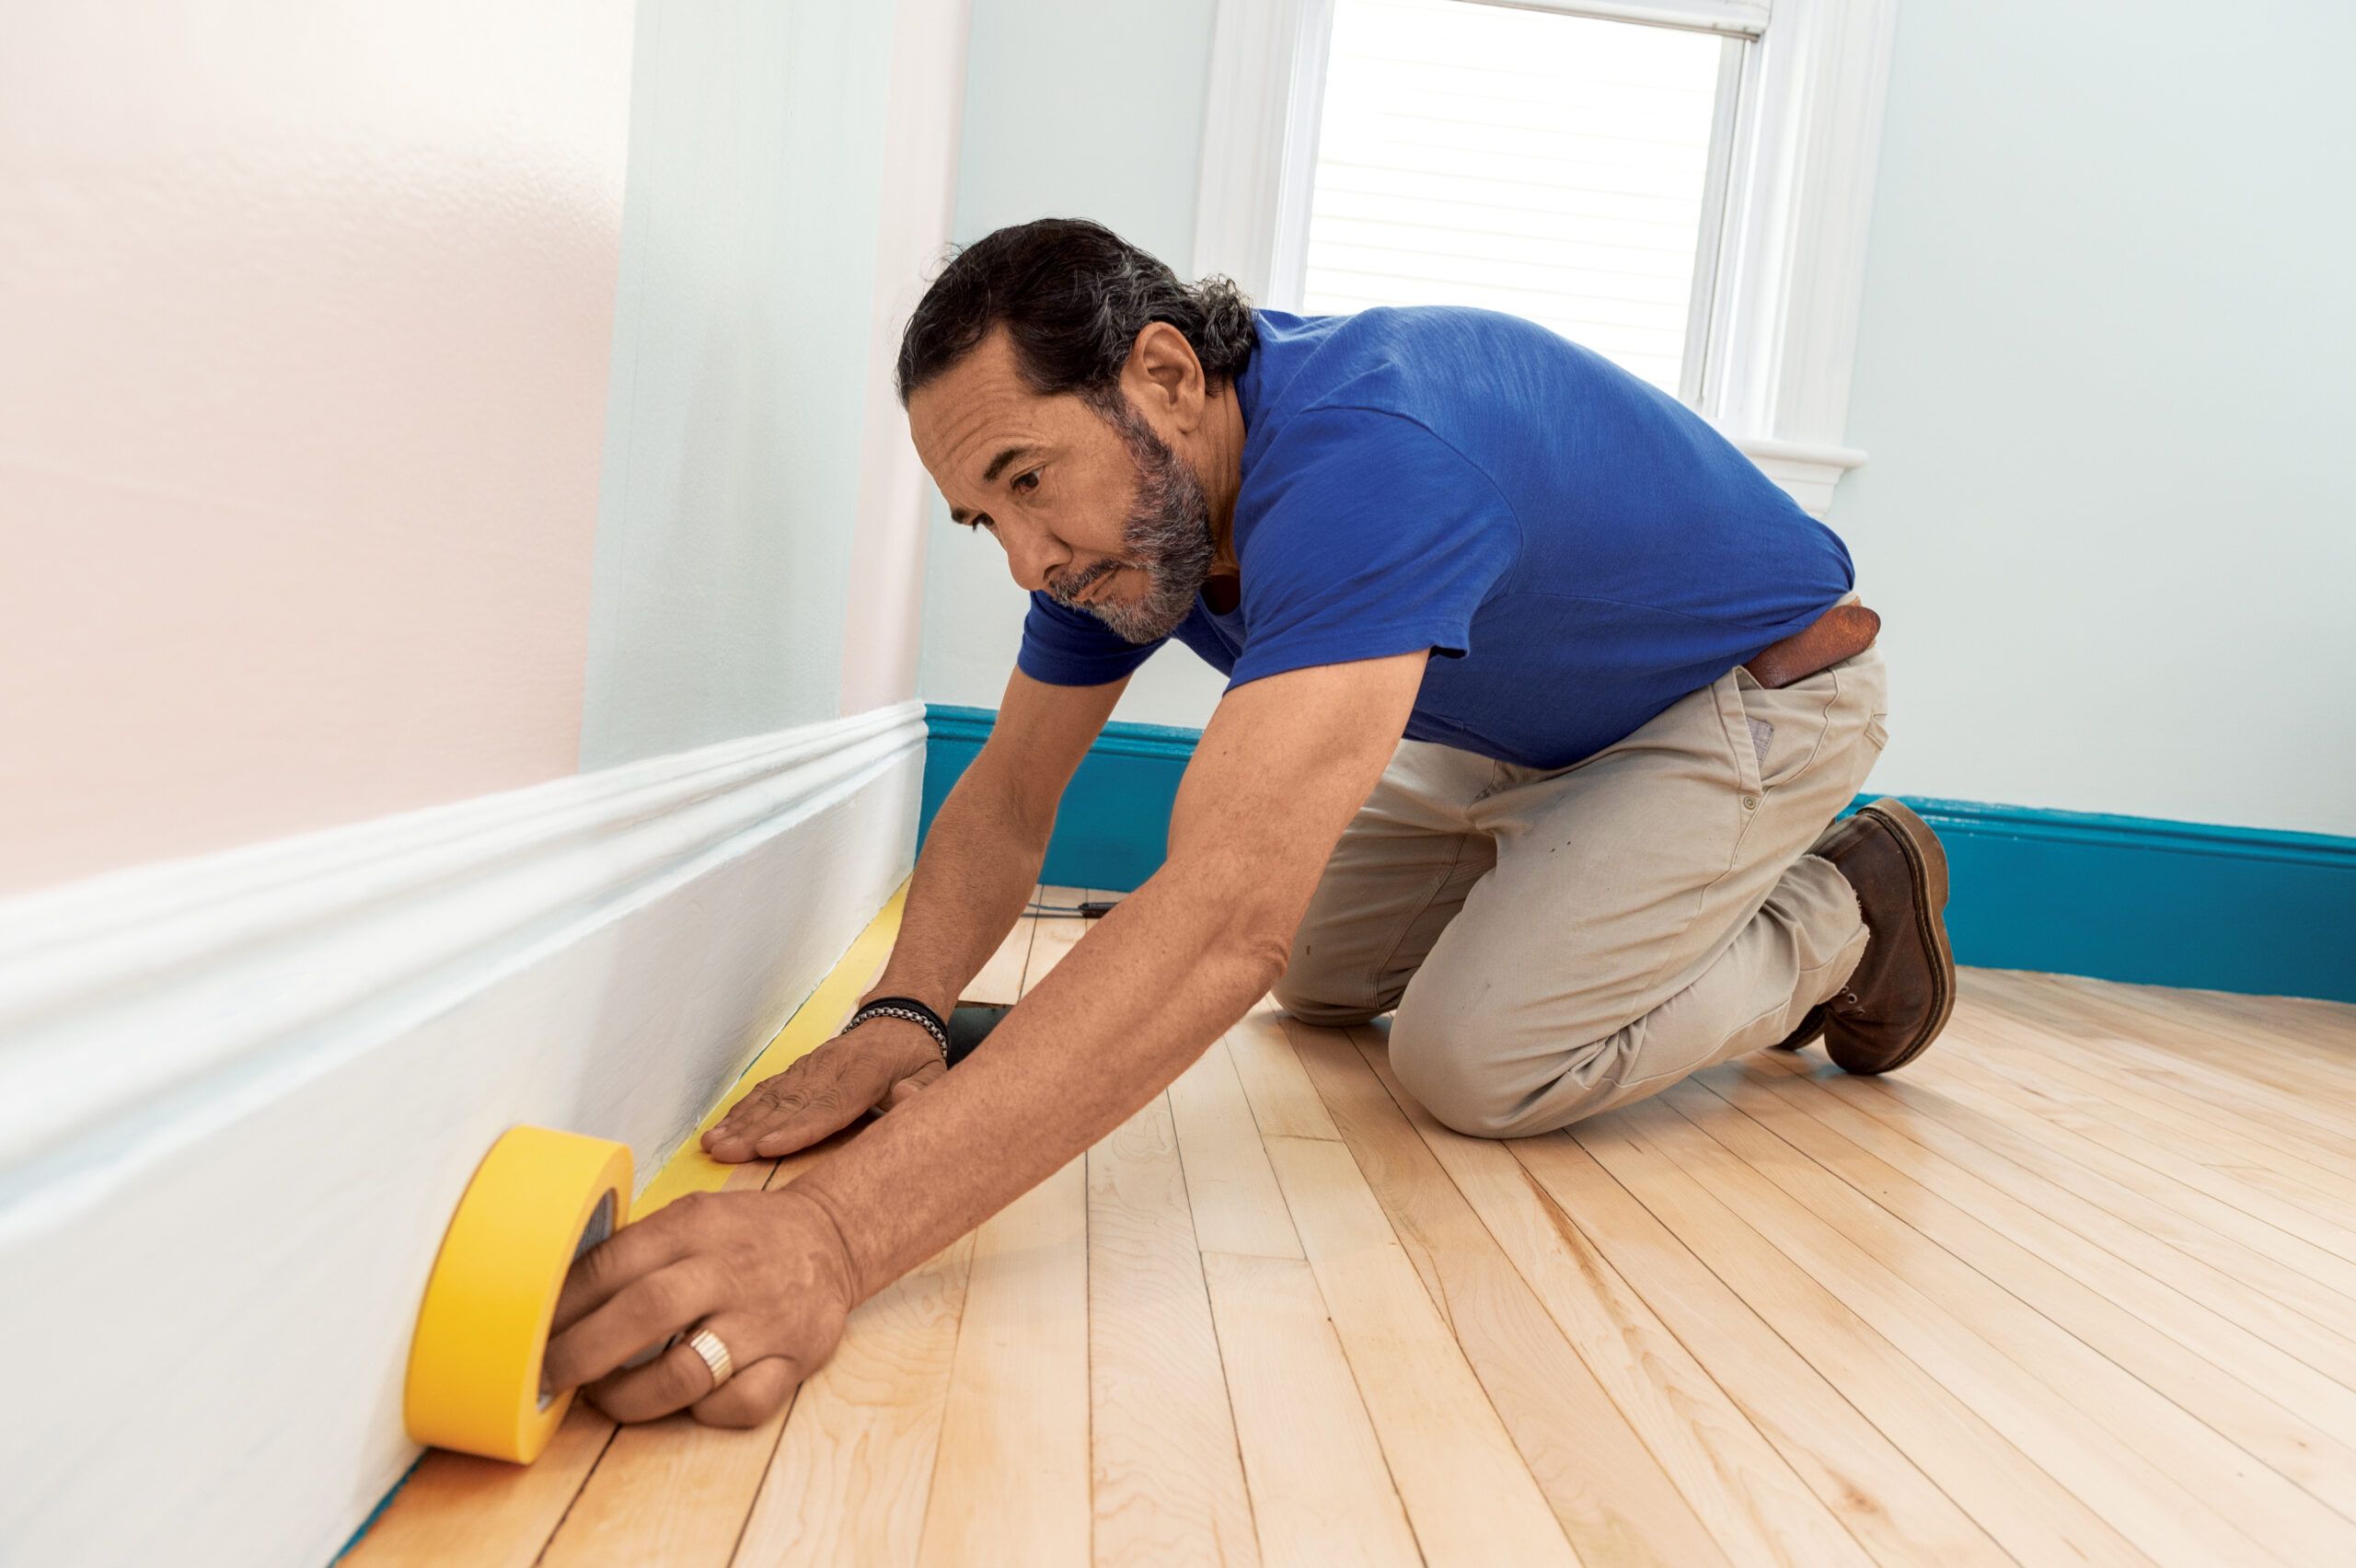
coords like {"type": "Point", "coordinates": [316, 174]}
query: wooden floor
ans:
{"type": "Point", "coordinates": [2079, 1283]}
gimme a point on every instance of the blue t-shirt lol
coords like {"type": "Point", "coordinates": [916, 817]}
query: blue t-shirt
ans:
{"type": "Point", "coordinates": [1577, 548]}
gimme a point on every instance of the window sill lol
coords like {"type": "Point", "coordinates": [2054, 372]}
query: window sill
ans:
{"type": "Point", "coordinates": [1807, 469]}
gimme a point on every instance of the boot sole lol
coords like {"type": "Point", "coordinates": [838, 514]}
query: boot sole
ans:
{"type": "Point", "coordinates": [1926, 858]}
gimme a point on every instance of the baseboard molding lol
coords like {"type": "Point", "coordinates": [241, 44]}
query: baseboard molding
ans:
{"type": "Point", "coordinates": [1115, 819]}
{"type": "Point", "coordinates": [2074, 893]}
{"type": "Point", "coordinates": [239, 1096]}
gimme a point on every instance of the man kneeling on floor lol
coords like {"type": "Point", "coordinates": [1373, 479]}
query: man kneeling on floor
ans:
{"type": "Point", "coordinates": [1542, 702]}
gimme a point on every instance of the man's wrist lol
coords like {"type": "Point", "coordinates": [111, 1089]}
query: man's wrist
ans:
{"type": "Point", "coordinates": [940, 999]}
{"type": "Point", "coordinates": [812, 1225]}
{"type": "Point", "coordinates": [906, 1010]}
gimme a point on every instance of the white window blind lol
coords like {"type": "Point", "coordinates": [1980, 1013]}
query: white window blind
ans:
{"type": "Point", "coordinates": [1564, 169]}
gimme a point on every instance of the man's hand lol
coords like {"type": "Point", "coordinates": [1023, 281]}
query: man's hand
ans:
{"type": "Point", "coordinates": [765, 1271]}
{"type": "Point", "coordinates": [875, 1066]}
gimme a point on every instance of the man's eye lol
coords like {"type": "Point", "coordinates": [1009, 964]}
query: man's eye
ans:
{"type": "Point", "coordinates": [1027, 482]}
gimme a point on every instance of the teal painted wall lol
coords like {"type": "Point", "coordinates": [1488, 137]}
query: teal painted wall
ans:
{"type": "Point", "coordinates": [2120, 898]}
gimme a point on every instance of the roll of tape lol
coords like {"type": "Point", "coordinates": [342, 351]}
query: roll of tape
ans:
{"type": "Point", "coordinates": [538, 1199]}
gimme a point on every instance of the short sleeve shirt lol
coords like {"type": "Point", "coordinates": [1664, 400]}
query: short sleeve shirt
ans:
{"type": "Point", "coordinates": [1577, 548]}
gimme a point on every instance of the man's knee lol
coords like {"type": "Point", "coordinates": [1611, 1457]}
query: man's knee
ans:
{"type": "Point", "coordinates": [1466, 1089]}
{"type": "Point", "coordinates": [1312, 1003]}
{"type": "Point", "coordinates": [1318, 988]}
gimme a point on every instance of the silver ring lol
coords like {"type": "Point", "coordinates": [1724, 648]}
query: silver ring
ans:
{"type": "Point", "coordinates": [706, 1343]}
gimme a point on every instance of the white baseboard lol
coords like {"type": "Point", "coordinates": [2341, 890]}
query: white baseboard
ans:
{"type": "Point", "coordinates": [240, 1095]}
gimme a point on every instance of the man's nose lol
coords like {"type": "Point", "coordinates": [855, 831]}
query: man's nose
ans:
{"type": "Point", "coordinates": [1033, 555]}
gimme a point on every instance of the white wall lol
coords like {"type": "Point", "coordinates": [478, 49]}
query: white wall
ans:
{"type": "Point", "coordinates": [1087, 109]}
{"type": "Point", "coordinates": [759, 543]}
{"type": "Point", "coordinates": [304, 321]}
{"type": "Point", "coordinates": [883, 619]}
{"type": "Point", "coordinates": [341, 294]}
{"type": "Point", "coordinates": [2103, 385]}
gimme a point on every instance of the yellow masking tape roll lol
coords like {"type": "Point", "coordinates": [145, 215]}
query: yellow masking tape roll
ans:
{"type": "Point", "coordinates": [539, 1199]}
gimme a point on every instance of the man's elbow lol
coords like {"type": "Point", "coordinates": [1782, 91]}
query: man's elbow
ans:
{"type": "Point", "coordinates": [1253, 904]}
{"type": "Point", "coordinates": [1255, 942]}
{"type": "Point", "coordinates": [1261, 952]}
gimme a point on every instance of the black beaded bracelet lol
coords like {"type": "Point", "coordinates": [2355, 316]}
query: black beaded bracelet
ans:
{"type": "Point", "coordinates": [909, 1010]}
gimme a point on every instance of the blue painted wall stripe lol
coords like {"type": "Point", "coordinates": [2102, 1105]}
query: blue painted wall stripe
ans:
{"type": "Point", "coordinates": [2075, 893]}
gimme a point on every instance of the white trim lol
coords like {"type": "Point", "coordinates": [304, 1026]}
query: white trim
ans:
{"type": "Point", "coordinates": [1710, 240]}
{"type": "Point", "coordinates": [1805, 204]}
{"type": "Point", "coordinates": [1737, 18]}
{"type": "Point", "coordinates": [1791, 266]}
{"type": "Point", "coordinates": [1808, 472]}
{"type": "Point", "coordinates": [1260, 116]}
{"type": "Point", "coordinates": [239, 1094]}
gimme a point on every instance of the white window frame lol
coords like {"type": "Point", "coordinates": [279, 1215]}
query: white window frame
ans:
{"type": "Point", "coordinates": [1790, 263]}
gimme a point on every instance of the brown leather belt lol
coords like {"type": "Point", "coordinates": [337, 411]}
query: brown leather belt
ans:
{"type": "Point", "coordinates": [1841, 632]}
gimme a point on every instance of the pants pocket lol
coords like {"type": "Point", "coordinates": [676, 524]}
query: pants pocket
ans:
{"type": "Point", "coordinates": [1785, 728]}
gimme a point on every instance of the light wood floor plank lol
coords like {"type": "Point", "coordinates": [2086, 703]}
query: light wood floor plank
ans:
{"type": "Point", "coordinates": [2147, 1392]}
{"type": "Point", "coordinates": [1468, 1495]}
{"type": "Point", "coordinates": [851, 1477]}
{"type": "Point", "coordinates": [484, 1512]}
{"type": "Point", "coordinates": [1322, 1492]}
{"type": "Point", "coordinates": [1010, 1481]}
{"type": "Point", "coordinates": [1283, 1101]}
{"type": "Point", "coordinates": [2102, 1214]}
{"type": "Point", "coordinates": [2264, 1175]}
{"type": "Point", "coordinates": [1726, 1434]}
{"type": "Point", "coordinates": [1011, 1473]}
{"type": "Point", "coordinates": [1721, 1285]}
{"type": "Point", "coordinates": [673, 1492]}
{"type": "Point", "coordinates": [2299, 1274]}
{"type": "Point", "coordinates": [1231, 1187]}
{"type": "Point", "coordinates": [1168, 1479]}
{"type": "Point", "coordinates": [2328, 1249]}
{"type": "Point", "coordinates": [2091, 1076]}
{"type": "Point", "coordinates": [2305, 1317]}
{"type": "Point", "coordinates": [2237, 1038]}
{"type": "Point", "coordinates": [1608, 1493]}
{"type": "Point", "coordinates": [2155, 1054]}
{"type": "Point", "coordinates": [2297, 1025]}
{"type": "Point", "coordinates": [2158, 1512]}
{"type": "Point", "coordinates": [1952, 1204]}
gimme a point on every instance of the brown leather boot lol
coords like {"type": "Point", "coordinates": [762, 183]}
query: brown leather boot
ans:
{"type": "Point", "coordinates": [1898, 999]}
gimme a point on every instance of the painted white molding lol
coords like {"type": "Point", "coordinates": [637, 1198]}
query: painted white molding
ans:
{"type": "Point", "coordinates": [1743, 18]}
{"type": "Point", "coordinates": [1784, 325]}
{"type": "Point", "coordinates": [1802, 197]}
{"type": "Point", "coordinates": [1260, 120]}
{"type": "Point", "coordinates": [239, 1096]}
{"type": "Point", "coordinates": [1806, 471]}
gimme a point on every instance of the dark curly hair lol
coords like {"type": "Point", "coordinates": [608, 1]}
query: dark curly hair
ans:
{"type": "Point", "coordinates": [1073, 295]}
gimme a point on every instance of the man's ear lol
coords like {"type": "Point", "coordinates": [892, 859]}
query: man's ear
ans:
{"type": "Point", "coordinates": [1164, 375]}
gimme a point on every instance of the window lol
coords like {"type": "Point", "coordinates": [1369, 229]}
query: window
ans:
{"type": "Point", "coordinates": [1570, 170]}
{"type": "Point", "coordinates": [1682, 185]}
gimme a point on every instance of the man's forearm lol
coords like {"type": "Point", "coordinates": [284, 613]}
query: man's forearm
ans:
{"type": "Point", "coordinates": [979, 864]}
{"type": "Point", "coordinates": [1120, 1017]}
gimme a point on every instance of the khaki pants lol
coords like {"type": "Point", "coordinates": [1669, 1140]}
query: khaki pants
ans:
{"type": "Point", "coordinates": [1559, 942]}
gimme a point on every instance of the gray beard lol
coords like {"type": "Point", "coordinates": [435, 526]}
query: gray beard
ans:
{"type": "Point", "coordinates": [1167, 537]}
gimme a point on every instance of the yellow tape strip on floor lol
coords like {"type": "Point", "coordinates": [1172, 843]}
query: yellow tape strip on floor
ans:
{"type": "Point", "coordinates": [812, 1023]}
